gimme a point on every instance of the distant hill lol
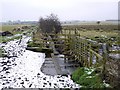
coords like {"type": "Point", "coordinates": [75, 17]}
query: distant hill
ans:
{"type": "Point", "coordinates": [72, 22]}
{"type": "Point", "coordinates": [19, 22]}
{"type": "Point", "coordinates": [113, 20]}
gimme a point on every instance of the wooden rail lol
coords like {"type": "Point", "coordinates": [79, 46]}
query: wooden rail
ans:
{"type": "Point", "coordinates": [80, 49]}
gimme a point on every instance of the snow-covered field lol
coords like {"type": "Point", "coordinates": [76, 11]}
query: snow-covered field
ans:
{"type": "Point", "coordinates": [22, 69]}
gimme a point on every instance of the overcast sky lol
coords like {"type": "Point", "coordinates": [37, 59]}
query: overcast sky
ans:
{"type": "Point", "coordinates": [65, 9]}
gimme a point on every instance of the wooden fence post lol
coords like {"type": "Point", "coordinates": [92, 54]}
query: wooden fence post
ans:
{"type": "Point", "coordinates": [105, 57]}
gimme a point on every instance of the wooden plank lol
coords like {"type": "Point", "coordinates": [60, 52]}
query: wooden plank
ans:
{"type": "Point", "coordinates": [91, 55]}
{"type": "Point", "coordinates": [57, 66]}
{"type": "Point", "coordinates": [96, 54]}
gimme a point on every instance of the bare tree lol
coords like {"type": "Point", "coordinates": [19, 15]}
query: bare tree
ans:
{"type": "Point", "coordinates": [50, 24]}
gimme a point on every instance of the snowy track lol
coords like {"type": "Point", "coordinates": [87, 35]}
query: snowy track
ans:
{"type": "Point", "coordinates": [24, 70]}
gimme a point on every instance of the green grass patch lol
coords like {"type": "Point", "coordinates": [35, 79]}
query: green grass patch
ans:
{"type": "Point", "coordinates": [88, 78]}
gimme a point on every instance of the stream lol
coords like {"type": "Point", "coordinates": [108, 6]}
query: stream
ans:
{"type": "Point", "coordinates": [22, 69]}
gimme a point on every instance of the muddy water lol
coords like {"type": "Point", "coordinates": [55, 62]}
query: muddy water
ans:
{"type": "Point", "coordinates": [48, 66]}
{"type": "Point", "coordinates": [22, 69]}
